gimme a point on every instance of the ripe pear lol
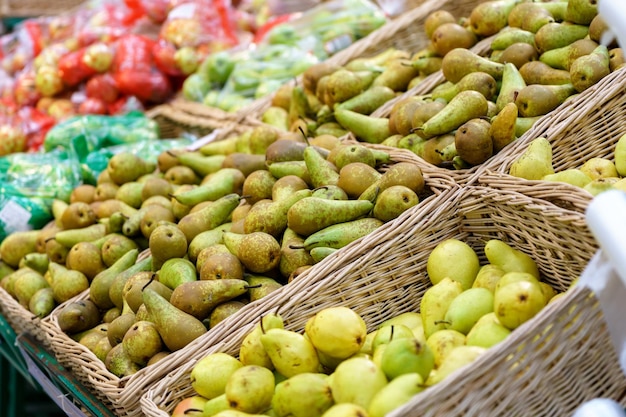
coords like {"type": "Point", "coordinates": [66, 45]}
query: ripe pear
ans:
{"type": "Point", "coordinates": [259, 252]}
{"type": "Point", "coordinates": [489, 17]}
{"type": "Point", "coordinates": [466, 105]}
{"type": "Point", "coordinates": [461, 61]}
{"type": "Point", "coordinates": [539, 99]}
{"type": "Point", "coordinates": [537, 72]}
{"type": "Point", "coordinates": [290, 352]}
{"type": "Point", "coordinates": [176, 271]}
{"type": "Point", "coordinates": [488, 276]}
{"type": "Point", "coordinates": [251, 351]}
{"type": "Point", "coordinates": [473, 141]}
{"type": "Point", "coordinates": [467, 308]}
{"type": "Point", "coordinates": [455, 259]}
{"type": "Point", "coordinates": [573, 176]}
{"type": "Point", "coordinates": [395, 394]}
{"type": "Point", "coordinates": [599, 167]}
{"type": "Point", "coordinates": [141, 342]}
{"type": "Point", "coordinates": [581, 11]}
{"type": "Point", "coordinates": [510, 259]}
{"type": "Point", "coordinates": [479, 81]}
{"type": "Point", "coordinates": [210, 374]}
{"type": "Point", "coordinates": [250, 389]}
{"type": "Point", "coordinates": [311, 214]}
{"type": "Point", "coordinates": [302, 395]}
{"type": "Point", "coordinates": [260, 286]}
{"type": "Point", "coordinates": [77, 316]}
{"type": "Point", "coordinates": [357, 380]}
{"type": "Point", "coordinates": [558, 34]}
{"type": "Point", "coordinates": [435, 303]}
{"type": "Point", "coordinates": [587, 70]}
{"type": "Point", "coordinates": [512, 83]}
{"type": "Point", "coordinates": [27, 282]}
{"type": "Point", "coordinates": [66, 283]}
{"type": "Point", "coordinates": [42, 302]}
{"type": "Point", "coordinates": [402, 356]}
{"type": "Point", "coordinates": [125, 167]}
{"type": "Point", "coordinates": [562, 58]}
{"type": "Point", "coordinates": [258, 186]}
{"type": "Point", "coordinates": [600, 185]}
{"type": "Point", "coordinates": [389, 332]}
{"type": "Point", "coordinates": [115, 246]}
{"type": "Point", "coordinates": [449, 36]}
{"type": "Point", "coordinates": [393, 201]}
{"type": "Point", "coordinates": [119, 363]}
{"type": "Point", "coordinates": [411, 320]}
{"type": "Point", "coordinates": [535, 162]}
{"type": "Point", "coordinates": [518, 54]}
{"type": "Point", "coordinates": [199, 298]}
{"type": "Point", "coordinates": [366, 128]}
{"type": "Point", "coordinates": [85, 257]}
{"type": "Point", "coordinates": [518, 302]}
{"type": "Point", "coordinates": [16, 245]}
{"type": "Point", "coordinates": [337, 331]}
{"type": "Point", "coordinates": [487, 332]}
{"type": "Point", "coordinates": [401, 173]}
{"type": "Point", "coordinates": [457, 358]}
{"type": "Point", "coordinates": [442, 342]}
{"type": "Point", "coordinates": [620, 156]}
{"type": "Point", "coordinates": [502, 127]}
{"type": "Point", "coordinates": [177, 328]}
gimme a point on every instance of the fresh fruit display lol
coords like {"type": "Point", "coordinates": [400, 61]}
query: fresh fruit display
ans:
{"type": "Point", "coordinates": [232, 79]}
{"type": "Point", "coordinates": [594, 175]}
{"type": "Point", "coordinates": [225, 225]}
{"type": "Point", "coordinates": [534, 57]}
{"type": "Point", "coordinates": [336, 362]}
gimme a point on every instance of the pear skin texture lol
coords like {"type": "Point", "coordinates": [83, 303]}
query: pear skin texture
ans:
{"type": "Point", "coordinates": [435, 303]}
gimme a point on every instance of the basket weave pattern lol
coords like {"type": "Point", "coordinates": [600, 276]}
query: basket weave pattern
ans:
{"type": "Point", "coordinates": [385, 275]}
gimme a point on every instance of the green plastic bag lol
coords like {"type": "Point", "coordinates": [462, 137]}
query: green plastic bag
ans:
{"type": "Point", "coordinates": [29, 182]}
{"type": "Point", "coordinates": [88, 133]}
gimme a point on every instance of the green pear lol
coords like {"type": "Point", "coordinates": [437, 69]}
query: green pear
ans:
{"type": "Point", "coordinates": [66, 283]}
{"type": "Point", "coordinates": [473, 141]}
{"type": "Point", "coordinates": [37, 261]}
{"type": "Point", "coordinates": [393, 201]}
{"type": "Point", "coordinates": [479, 81]}
{"type": "Point", "coordinates": [119, 363]}
{"type": "Point", "coordinates": [510, 259]}
{"type": "Point", "coordinates": [199, 298]}
{"type": "Point", "coordinates": [562, 58]}
{"type": "Point", "coordinates": [511, 277]}
{"type": "Point", "coordinates": [442, 342]}
{"type": "Point", "coordinates": [77, 316]}
{"type": "Point", "coordinates": [518, 302]}
{"type": "Point", "coordinates": [489, 17]}
{"type": "Point", "coordinates": [339, 235]}
{"type": "Point", "coordinates": [410, 319]}
{"type": "Point", "coordinates": [505, 38]}
{"type": "Point", "coordinates": [251, 351]}
{"type": "Point", "coordinates": [588, 70]}
{"type": "Point", "coordinates": [209, 217]}
{"type": "Point", "coordinates": [42, 302]}
{"type": "Point", "coordinates": [395, 394]}
{"type": "Point", "coordinates": [223, 182]}
{"type": "Point", "coordinates": [210, 374]}
{"type": "Point", "coordinates": [320, 170]}
{"type": "Point", "coordinates": [435, 303]}
{"type": "Point", "coordinates": [488, 276]}
{"type": "Point", "coordinates": [290, 352]}
{"type": "Point", "coordinates": [132, 292]}
{"type": "Point", "coordinates": [535, 162]}
{"type": "Point", "coordinates": [205, 239]}
{"type": "Point", "coordinates": [538, 72]}
{"type": "Point", "coordinates": [273, 218]}
{"type": "Point", "coordinates": [115, 246]}
{"type": "Point", "coordinates": [387, 333]}
{"type": "Point", "coordinates": [302, 395]}
{"type": "Point", "coordinates": [250, 389]}
{"type": "Point", "coordinates": [581, 11]}
{"type": "Point", "coordinates": [118, 328]}
{"type": "Point", "coordinates": [357, 380]}
{"type": "Point", "coordinates": [70, 237]}
{"type": "Point", "coordinates": [366, 128]}
{"type": "Point", "coordinates": [599, 167]}
{"type": "Point", "coordinates": [116, 289]}
{"type": "Point", "coordinates": [367, 101]}
{"type": "Point", "coordinates": [402, 356]}
{"type": "Point", "coordinates": [487, 332]}
{"type": "Point", "coordinates": [141, 342]}
{"type": "Point", "coordinates": [466, 105]}
{"type": "Point", "coordinates": [457, 358]}
{"type": "Point", "coordinates": [573, 176]}
{"type": "Point", "coordinates": [558, 34]}
{"type": "Point", "coordinates": [293, 258]}
{"type": "Point", "coordinates": [215, 406]}
{"type": "Point", "coordinates": [461, 61]}
{"type": "Point", "coordinates": [259, 252]}
{"type": "Point", "coordinates": [467, 308]}
{"type": "Point", "coordinates": [337, 331]}
{"type": "Point", "coordinates": [258, 186]}
{"type": "Point", "coordinates": [177, 328]}
{"type": "Point", "coordinates": [620, 156]}
{"type": "Point", "coordinates": [512, 83]}
{"type": "Point", "coordinates": [600, 185]}
{"type": "Point", "coordinates": [309, 215]}
{"type": "Point", "coordinates": [397, 74]}
{"type": "Point", "coordinates": [260, 286]}
{"type": "Point", "coordinates": [538, 99]}
{"type": "Point", "coordinates": [176, 271]}
{"type": "Point", "coordinates": [402, 173]}
{"type": "Point", "coordinates": [27, 282]}
{"type": "Point", "coordinates": [100, 285]}
{"type": "Point", "coordinates": [455, 259]}
{"type": "Point", "coordinates": [125, 167]}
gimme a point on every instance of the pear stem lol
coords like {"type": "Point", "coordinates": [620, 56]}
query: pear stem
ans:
{"type": "Point", "coordinates": [442, 322]}
{"type": "Point", "coordinates": [261, 324]}
{"type": "Point", "coordinates": [149, 281]}
{"type": "Point", "coordinates": [49, 239]}
{"type": "Point", "coordinates": [253, 286]}
{"type": "Point", "coordinates": [172, 154]}
{"type": "Point", "coordinates": [391, 334]}
{"type": "Point", "coordinates": [296, 246]}
{"type": "Point", "coordinates": [192, 410]}
{"type": "Point", "coordinates": [306, 139]}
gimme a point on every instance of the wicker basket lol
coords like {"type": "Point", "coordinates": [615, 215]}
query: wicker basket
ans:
{"type": "Point", "coordinates": [122, 395]}
{"type": "Point", "coordinates": [548, 365]}
{"type": "Point", "coordinates": [587, 126]}
{"type": "Point", "coordinates": [404, 32]}
{"type": "Point", "coordinates": [34, 8]}
{"type": "Point", "coordinates": [21, 319]}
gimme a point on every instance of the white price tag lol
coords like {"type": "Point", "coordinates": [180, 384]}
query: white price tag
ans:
{"type": "Point", "coordinates": [14, 217]}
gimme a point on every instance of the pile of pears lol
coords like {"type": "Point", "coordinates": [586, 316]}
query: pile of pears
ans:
{"type": "Point", "coordinates": [337, 367]}
{"type": "Point", "coordinates": [540, 54]}
{"type": "Point", "coordinates": [156, 253]}
{"type": "Point", "coordinates": [595, 175]}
